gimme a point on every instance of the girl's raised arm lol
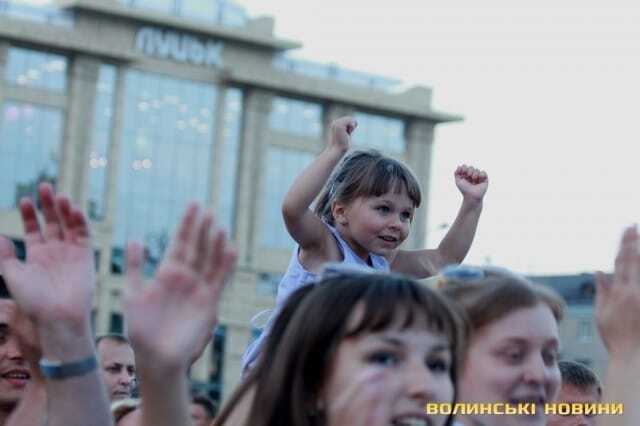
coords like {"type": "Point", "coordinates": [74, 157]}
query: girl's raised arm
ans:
{"type": "Point", "coordinates": [304, 225]}
{"type": "Point", "coordinates": [453, 248]}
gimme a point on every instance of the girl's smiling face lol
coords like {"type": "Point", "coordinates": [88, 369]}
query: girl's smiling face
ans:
{"type": "Point", "coordinates": [416, 365]}
{"type": "Point", "coordinates": [375, 224]}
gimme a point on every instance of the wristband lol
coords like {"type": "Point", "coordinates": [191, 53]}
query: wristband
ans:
{"type": "Point", "coordinates": [56, 370]}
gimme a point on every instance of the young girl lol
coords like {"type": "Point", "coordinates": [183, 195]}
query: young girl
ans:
{"type": "Point", "coordinates": [364, 215]}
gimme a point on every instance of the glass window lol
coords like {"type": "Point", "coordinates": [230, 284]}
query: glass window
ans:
{"type": "Point", "coordinates": [37, 10]}
{"type": "Point", "coordinates": [585, 331]}
{"type": "Point", "coordinates": [116, 323]}
{"type": "Point", "coordinates": [232, 15]}
{"type": "Point", "coordinates": [334, 72]}
{"type": "Point", "coordinates": [159, 5]}
{"type": "Point", "coordinates": [30, 138]}
{"type": "Point", "coordinates": [282, 167]}
{"type": "Point", "coordinates": [166, 156]}
{"type": "Point", "coordinates": [296, 117]}
{"type": "Point", "coordinates": [101, 140]}
{"type": "Point", "coordinates": [201, 9]}
{"type": "Point", "coordinates": [379, 132]}
{"type": "Point", "coordinates": [222, 12]}
{"type": "Point", "coordinates": [36, 69]}
{"type": "Point", "coordinates": [217, 362]}
{"type": "Point", "coordinates": [232, 124]}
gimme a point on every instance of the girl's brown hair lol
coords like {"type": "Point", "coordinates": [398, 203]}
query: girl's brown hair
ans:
{"type": "Point", "coordinates": [366, 174]}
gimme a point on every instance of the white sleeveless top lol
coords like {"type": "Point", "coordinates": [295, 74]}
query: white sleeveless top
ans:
{"type": "Point", "coordinates": [297, 276]}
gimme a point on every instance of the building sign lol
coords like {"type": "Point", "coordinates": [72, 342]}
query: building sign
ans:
{"type": "Point", "coordinates": [166, 44]}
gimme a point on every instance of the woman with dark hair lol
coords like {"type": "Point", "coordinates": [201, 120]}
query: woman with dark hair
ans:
{"type": "Point", "coordinates": [512, 357]}
{"type": "Point", "coordinates": [356, 348]}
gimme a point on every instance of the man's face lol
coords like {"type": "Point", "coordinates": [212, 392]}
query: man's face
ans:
{"type": "Point", "coordinates": [14, 371]}
{"type": "Point", "coordinates": [118, 368]}
{"type": "Point", "coordinates": [199, 415]}
{"type": "Point", "coordinates": [573, 394]}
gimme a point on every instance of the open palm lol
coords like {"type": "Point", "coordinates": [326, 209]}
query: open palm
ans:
{"type": "Point", "coordinates": [171, 316]}
{"type": "Point", "coordinates": [58, 278]}
{"type": "Point", "coordinates": [617, 306]}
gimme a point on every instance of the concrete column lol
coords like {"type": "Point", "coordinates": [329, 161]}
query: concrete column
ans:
{"type": "Point", "coordinates": [79, 123]}
{"type": "Point", "coordinates": [4, 52]}
{"type": "Point", "coordinates": [217, 148]}
{"type": "Point", "coordinates": [105, 227]}
{"type": "Point", "coordinates": [419, 137]}
{"type": "Point", "coordinates": [257, 107]}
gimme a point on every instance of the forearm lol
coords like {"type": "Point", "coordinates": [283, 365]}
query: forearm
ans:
{"type": "Point", "coordinates": [32, 408]}
{"type": "Point", "coordinates": [456, 244]}
{"type": "Point", "coordinates": [165, 393]}
{"type": "Point", "coordinates": [77, 400]}
{"type": "Point", "coordinates": [622, 386]}
{"type": "Point", "coordinates": [308, 185]}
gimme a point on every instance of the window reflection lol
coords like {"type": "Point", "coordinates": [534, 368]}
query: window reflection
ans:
{"type": "Point", "coordinates": [385, 134]}
{"type": "Point", "coordinates": [313, 69]}
{"type": "Point", "coordinates": [222, 12]}
{"type": "Point", "coordinates": [165, 159]}
{"type": "Point", "coordinates": [160, 5]}
{"type": "Point", "coordinates": [30, 137]}
{"type": "Point", "coordinates": [44, 11]}
{"type": "Point", "coordinates": [296, 117]}
{"type": "Point", "coordinates": [199, 9]}
{"type": "Point", "coordinates": [282, 167]}
{"type": "Point", "coordinates": [36, 69]}
{"type": "Point", "coordinates": [101, 140]}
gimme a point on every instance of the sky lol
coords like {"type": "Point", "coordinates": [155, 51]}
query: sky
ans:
{"type": "Point", "coordinates": [549, 91]}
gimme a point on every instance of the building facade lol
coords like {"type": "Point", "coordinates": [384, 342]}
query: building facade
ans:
{"type": "Point", "coordinates": [136, 107]}
{"type": "Point", "coordinates": [579, 334]}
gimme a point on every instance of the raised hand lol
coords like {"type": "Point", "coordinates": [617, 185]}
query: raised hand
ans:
{"type": "Point", "coordinates": [341, 130]}
{"type": "Point", "coordinates": [618, 300]}
{"type": "Point", "coordinates": [54, 288]}
{"type": "Point", "coordinates": [57, 281]}
{"type": "Point", "coordinates": [169, 317]}
{"type": "Point", "coordinates": [471, 182]}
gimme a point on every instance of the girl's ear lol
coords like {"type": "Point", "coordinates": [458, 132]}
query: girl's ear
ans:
{"type": "Point", "coordinates": [339, 213]}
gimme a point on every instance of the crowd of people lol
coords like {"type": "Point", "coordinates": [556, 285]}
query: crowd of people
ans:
{"type": "Point", "coordinates": [355, 338]}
